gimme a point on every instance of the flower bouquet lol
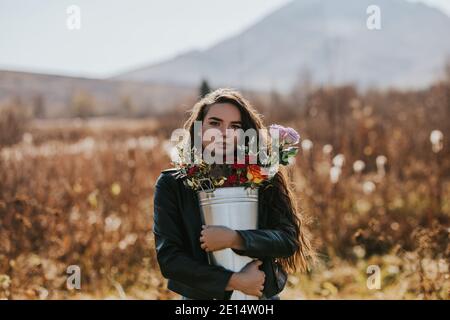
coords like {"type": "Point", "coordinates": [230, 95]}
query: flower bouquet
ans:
{"type": "Point", "coordinates": [200, 175]}
{"type": "Point", "coordinates": [228, 193]}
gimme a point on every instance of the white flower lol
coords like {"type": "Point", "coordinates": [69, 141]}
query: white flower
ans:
{"type": "Point", "coordinates": [368, 187]}
{"type": "Point", "coordinates": [327, 149]}
{"type": "Point", "coordinates": [335, 173]}
{"type": "Point", "coordinates": [436, 139]}
{"type": "Point", "coordinates": [307, 145]}
{"type": "Point", "coordinates": [358, 166]}
{"type": "Point", "coordinates": [339, 160]}
{"type": "Point", "coordinates": [381, 162]}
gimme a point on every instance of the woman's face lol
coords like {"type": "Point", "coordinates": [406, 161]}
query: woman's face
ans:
{"type": "Point", "coordinates": [222, 116]}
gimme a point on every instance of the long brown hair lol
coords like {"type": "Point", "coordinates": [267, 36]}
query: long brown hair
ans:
{"type": "Point", "coordinates": [279, 197]}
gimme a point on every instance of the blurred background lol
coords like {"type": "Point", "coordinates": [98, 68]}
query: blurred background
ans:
{"type": "Point", "coordinates": [91, 91]}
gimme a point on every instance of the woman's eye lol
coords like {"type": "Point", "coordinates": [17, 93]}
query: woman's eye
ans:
{"type": "Point", "coordinates": [236, 126]}
{"type": "Point", "coordinates": [214, 123]}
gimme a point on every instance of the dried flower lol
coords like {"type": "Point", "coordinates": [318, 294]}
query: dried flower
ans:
{"type": "Point", "coordinates": [327, 149]}
{"type": "Point", "coordinates": [358, 166]}
{"type": "Point", "coordinates": [307, 145]}
{"type": "Point", "coordinates": [436, 139]}
{"type": "Point", "coordinates": [368, 187]}
{"type": "Point", "coordinates": [338, 160]}
{"type": "Point", "coordinates": [335, 173]}
{"type": "Point", "coordinates": [381, 162]}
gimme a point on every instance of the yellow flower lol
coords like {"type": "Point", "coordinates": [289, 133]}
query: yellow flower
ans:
{"type": "Point", "coordinates": [220, 182]}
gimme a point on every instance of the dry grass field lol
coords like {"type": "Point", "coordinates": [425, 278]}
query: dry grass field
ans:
{"type": "Point", "coordinates": [375, 187]}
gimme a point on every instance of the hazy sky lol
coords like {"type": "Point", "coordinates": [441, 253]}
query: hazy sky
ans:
{"type": "Point", "coordinates": [118, 35]}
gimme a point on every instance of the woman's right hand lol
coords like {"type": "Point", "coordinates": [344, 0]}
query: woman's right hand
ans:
{"type": "Point", "coordinates": [250, 280]}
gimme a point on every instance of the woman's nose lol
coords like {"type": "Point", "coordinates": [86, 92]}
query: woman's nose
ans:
{"type": "Point", "coordinates": [223, 130]}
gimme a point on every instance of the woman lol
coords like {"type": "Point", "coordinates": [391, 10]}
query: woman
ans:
{"type": "Point", "coordinates": [280, 244]}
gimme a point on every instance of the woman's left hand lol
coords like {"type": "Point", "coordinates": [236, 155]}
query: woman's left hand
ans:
{"type": "Point", "coordinates": [215, 238]}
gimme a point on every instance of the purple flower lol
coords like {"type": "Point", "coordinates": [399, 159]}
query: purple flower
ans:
{"type": "Point", "coordinates": [287, 135]}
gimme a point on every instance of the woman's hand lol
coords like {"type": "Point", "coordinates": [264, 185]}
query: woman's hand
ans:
{"type": "Point", "coordinates": [250, 280]}
{"type": "Point", "coordinates": [215, 238]}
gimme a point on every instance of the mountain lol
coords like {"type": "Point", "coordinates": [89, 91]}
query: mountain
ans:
{"type": "Point", "coordinates": [60, 96]}
{"type": "Point", "coordinates": [325, 39]}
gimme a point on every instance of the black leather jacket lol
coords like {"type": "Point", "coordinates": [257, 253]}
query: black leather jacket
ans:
{"type": "Point", "coordinates": [177, 227]}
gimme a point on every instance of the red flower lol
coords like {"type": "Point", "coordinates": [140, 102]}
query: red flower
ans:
{"type": "Point", "coordinates": [232, 179]}
{"type": "Point", "coordinates": [192, 170]}
{"type": "Point", "coordinates": [243, 178]}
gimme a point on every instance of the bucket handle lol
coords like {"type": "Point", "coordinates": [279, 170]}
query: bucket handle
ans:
{"type": "Point", "coordinates": [210, 188]}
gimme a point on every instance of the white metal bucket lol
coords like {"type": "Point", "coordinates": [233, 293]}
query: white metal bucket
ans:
{"type": "Point", "coordinates": [235, 208]}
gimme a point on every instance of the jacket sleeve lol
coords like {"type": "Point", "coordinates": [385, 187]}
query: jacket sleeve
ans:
{"type": "Point", "coordinates": [278, 241]}
{"type": "Point", "coordinates": [173, 257]}
{"type": "Point", "coordinates": [263, 243]}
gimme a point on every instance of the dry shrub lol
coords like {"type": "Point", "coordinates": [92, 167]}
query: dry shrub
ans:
{"type": "Point", "coordinates": [13, 123]}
